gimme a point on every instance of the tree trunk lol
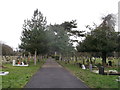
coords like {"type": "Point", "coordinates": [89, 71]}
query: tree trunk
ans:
{"type": "Point", "coordinates": [29, 58]}
{"type": "Point", "coordinates": [83, 61]}
{"type": "Point", "coordinates": [60, 56]}
{"type": "Point", "coordinates": [76, 58]}
{"type": "Point", "coordinates": [35, 57]}
{"type": "Point", "coordinates": [104, 58]}
{"type": "Point", "coordinates": [91, 60]}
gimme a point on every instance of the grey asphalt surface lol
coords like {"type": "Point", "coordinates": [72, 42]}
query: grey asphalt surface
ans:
{"type": "Point", "coordinates": [53, 75]}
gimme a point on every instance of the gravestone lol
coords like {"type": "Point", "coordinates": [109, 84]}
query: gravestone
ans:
{"type": "Point", "coordinates": [14, 63]}
{"type": "Point", "coordinates": [83, 66]}
{"type": "Point", "coordinates": [90, 67]}
{"type": "Point", "coordinates": [101, 70]}
{"type": "Point", "coordinates": [4, 73]}
{"type": "Point", "coordinates": [109, 63]}
{"type": "Point", "coordinates": [4, 59]}
{"type": "Point", "coordinates": [22, 63]}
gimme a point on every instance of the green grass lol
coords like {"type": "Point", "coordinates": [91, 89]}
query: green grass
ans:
{"type": "Point", "coordinates": [19, 76]}
{"type": "Point", "coordinates": [91, 79]}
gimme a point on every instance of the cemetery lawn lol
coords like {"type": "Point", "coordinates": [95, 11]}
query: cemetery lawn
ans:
{"type": "Point", "coordinates": [91, 79]}
{"type": "Point", "coordinates": [19, 76]}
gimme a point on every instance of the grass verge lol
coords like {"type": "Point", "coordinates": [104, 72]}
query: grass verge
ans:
{"type": "Point", "coordinates": [91, 79]}
{"type": "Point", "coordinates": [19, 76]}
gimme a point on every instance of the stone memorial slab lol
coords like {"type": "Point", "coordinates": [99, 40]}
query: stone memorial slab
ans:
{"type": "Point", "coordinates": [21, 65]}
{"type": "Point", "coordinates": [13, 62]}
{"type": "Point", "coordinates": [101, 70]}
{"type": "Point", "coordinates": [90, 67]}
{"type": "Point", "coordinates": [109, 63]}
{"type": "Point", "coordinates": [83, 66]}
{"type": "Point", "coordinates": [3, 73]}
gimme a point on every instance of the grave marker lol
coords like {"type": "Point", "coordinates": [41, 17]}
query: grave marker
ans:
{"type": "Point", "coordinates": [109, 63]}
{"type": "Point", "coordinates": [14, 62]}
{"type": "Point", "coordinates": [101, 70]}
{"type": "Point", "coordinates": [3, 73]}
{"type": "Point", "coordinates": [90, 67]}
{"type": "Point", "coordinates": [83, 66]}
{"type": "Point", "coordinates": [22, 63]}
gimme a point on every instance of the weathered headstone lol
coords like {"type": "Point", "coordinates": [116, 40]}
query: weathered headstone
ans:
{"type": "Point", "coordinates": [4, 59]}
{"type": "Point", "coordinates": [101, 70]}
{"type": "Point", "coordinates": [110, 63]}
{"type": "Point", "coordinates": [90, 67]}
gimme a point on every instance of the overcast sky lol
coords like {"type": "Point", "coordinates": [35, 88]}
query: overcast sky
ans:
{"type": "Point", "coordinates": [14, 12]}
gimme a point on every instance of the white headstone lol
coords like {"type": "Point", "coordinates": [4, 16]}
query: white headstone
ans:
{"type": "Point", "coordinates": [22, 63]}
{"type": "Point", "coordinates": [4, 73]}
{"type": "Point", "coordinates": [13, 62]}
{"type": "Point", "coordinates": [83, 66]}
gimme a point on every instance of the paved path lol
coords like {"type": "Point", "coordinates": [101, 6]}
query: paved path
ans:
{"type": "Point", "coordinates": [52, 75]}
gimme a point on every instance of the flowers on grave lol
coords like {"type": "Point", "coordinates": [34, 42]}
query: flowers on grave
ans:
{"type": "Point", "coordinates": [24, 62]}
{"type": "Point", "coordinates": [113, 71]}
{"type": "Point", "coordinates": [19, 63]}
